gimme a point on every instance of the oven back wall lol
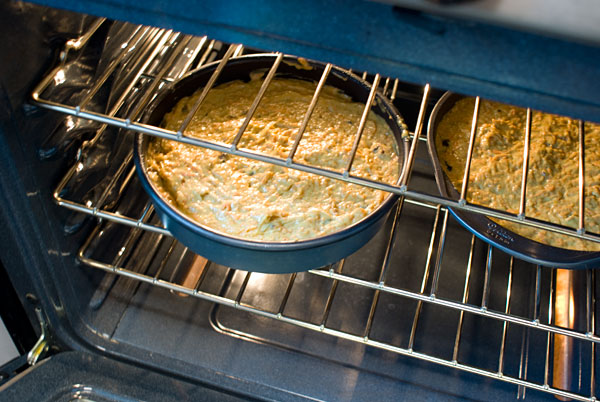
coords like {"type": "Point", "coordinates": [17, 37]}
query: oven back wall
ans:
{"type": "Point", "coordinates": [463, 56]}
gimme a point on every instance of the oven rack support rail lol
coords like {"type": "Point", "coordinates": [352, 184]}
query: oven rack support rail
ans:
{"type": "Point", "coordinates": [163, 41]}
{"type": "Point", "coordinates": [425, 295]}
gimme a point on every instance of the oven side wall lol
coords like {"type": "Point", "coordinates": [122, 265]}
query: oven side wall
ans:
{"type": "Point", "coordinates": [31, 251]}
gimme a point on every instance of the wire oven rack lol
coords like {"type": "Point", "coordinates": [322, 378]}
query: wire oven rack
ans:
{"type": "Point", "coordinates": [161, 56]}
{"type": "Point", "coordinates": [167, 43]}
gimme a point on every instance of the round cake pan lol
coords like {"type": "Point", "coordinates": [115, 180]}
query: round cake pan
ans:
{"type": "Point", "coordinates": [491, 232]}
{"type": "Point", "coordinates": [258, 256]}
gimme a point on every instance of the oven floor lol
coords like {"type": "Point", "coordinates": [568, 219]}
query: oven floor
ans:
{"type": "Point", "coordinates": [79, 376]}
{"type": "Point", "coordinates": [304, 363]}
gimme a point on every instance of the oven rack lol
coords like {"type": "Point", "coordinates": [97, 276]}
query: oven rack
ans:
{"type": "Point", "coordinates": [162, 42]}
{"type": "Point", "coordinates": [170, 268]}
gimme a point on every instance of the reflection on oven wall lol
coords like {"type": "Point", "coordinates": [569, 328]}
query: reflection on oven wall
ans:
{"type": "Point", "coordinates": [423, 291]}
{"type": "Point", "coordinates": [8, 350]}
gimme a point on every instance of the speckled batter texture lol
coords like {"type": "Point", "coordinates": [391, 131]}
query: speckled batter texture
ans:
{"type": "Point", "coordinates": [258, 201]}
{"type": "Point", "coordinates": [496, 169]}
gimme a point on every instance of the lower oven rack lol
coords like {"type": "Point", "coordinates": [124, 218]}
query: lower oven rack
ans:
{"type": "Point", "coordinates": [170, 56]}
{"type": "Point", "coordinates": [539, 318]}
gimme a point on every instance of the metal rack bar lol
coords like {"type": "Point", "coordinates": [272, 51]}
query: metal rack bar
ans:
{"type": "Point", "coordinates": [144, 264]}
{"type": "Point", "coordinates": [384, 266]}
{"type": "Point", "coordinates": [257, 99]}
{"type": "Point", "coordinates": [589, 298]}
{"type": "Point", "coordinates": [131, 240]}
{"type": "Point", "coordinates": [506, 311]}
{"type": "Point", "coordinates": [391, 241]}
{"type": "Point", "coordinates": [163, 71]}
{"type": "Point", "coordinates": [125, 250]}
{"type": "Point", "coordinates": [141, 57]}
{"type": "Point", "coordinates": [538, 293]}
{"type": "Point", "coordinates": [207, 87]}
{"type": "Point", "coordinates": [328, 304]}
{"type": "Point", "coordinates": [524, 359]}
{"type": "Point", "coordinates": [238, 298]}
{"type": "Point", "coordinates": [146, 211]}
{"type": "Point", "coordinates": [413, 329]}
{"type": "Point", "coordinates": [487, 278]}
{"type": "Point", "coordinates": [464, 299]}
{"type": "Point", "coordinates": [369, 325]}
{"type": "Point", "coordinates": [410, 159]}
{"type": "Point", "coordinates": [363, 122]}
{"type": "Point", "coordinates": [178, 265]}
{"type": "Point", "coordinates": [431, 243]}
{"type": "Point", "coordinates": [385, 85]}
{"type": "Point", "coordinates": [523, 199]}
{"type": "Point", "coordinates": [286, 295]}
{"type": "Point", "coordinates": [81, 41]}
{"type": "Point", "coordinates": [144, 62]}
{"type": "Point", "coordinates": [115, 179]}
{"type": "Point", "coordinates": [309, 112]}
{"type": "Point", "coordinates": [549, 336]}
{"type": "Point", "coordinates": [207, 52]}
{"type": "Point", "coordinates": [147, 53]}
{"type": "Point", "coordinates": [394, 90]}
{"type": "Point", "coordinates": [459, 306]}
{"type": "Point", "coordinates": [438, 259]}
{"type": "Point", "coordinates": [239, 50]}
{"type": "Point", "coordinates": [581, 228]}
{"type": "Point", "coordinates": [196, 44]}
{"type": "Point", "coordinates": [163, 263]}
{"type": "Point", "coordinates": [523, 362]}
{"type": "Point", "coordinates": [203, 275]}
{"type": "Point", "coordinates": [115, 63]}
{"type": "Point", "coordinates": [469, 158]}
{"type": "Point", "coordinates": [592, 331]}
{"type": "Point", "coordinates": [332, 291]}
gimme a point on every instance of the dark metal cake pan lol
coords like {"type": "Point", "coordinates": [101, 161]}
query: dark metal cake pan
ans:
{"type": "Point", "coordinates": [491, 232]}
{"type": "Point", "coordinates": [258, 256]}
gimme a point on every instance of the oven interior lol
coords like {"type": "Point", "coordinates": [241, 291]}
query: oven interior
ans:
{"type": "Point", "coordinates": [425, 310]}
